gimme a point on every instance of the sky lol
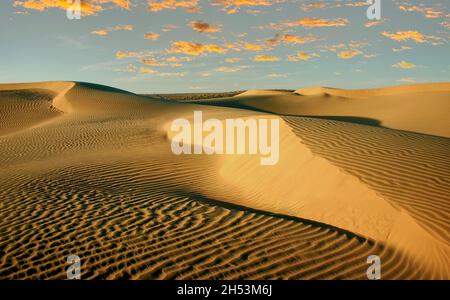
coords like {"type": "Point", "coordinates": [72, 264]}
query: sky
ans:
{"type": "Point", "coordinates": [172, 46]}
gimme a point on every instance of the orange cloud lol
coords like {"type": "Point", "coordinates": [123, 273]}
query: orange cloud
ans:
{"type": "Point", "coordinates": [313, 22]}
{"type": "Point", "coordinates": [233, 6]}
{"type": "Point", "coordinates": [404, 65]}
{"type": "Point", "coordinates": [294, 39]}
{"type": "Point", "coordinates": [372, 23]}
{"type": "Point", "coordinates": [230, 69]}
{"type": "Point", "coordinates": [311, 6]}
{"type": "Point", "coordinates": [428, 12]}
{"type": "Point", "coordinates": [348, 54]}
{"type": "Point", "coordinates": [144, 70]}
{"type": "Point", "coordinates": [203, 27]}
{"type": "Point", "coordinates": [122, 54]}
{"type": "Point", "coordinates": [151, 36]}
{"type": "Point", "coordinates": [100, 32]}
{"type": "Point", "coordinates": [103, 32]}
{"type": "Point", "coordinates": [402, 48]}
{"type": "Point", "coordinates": [87, 8]}
{"type": "Point", "coordinates": [195, 49]}
{"type": "Point", "coordinates": [232, 60]}
{"type": "Point", "coordinates": [302, 56]}
{"type": "Point", "coordinates": [174, 59]}
{"type": "Point", "coordinates": [402, 36]}
{"type": "Point", "coordinates": [188, 5]}
{"type": "Point", "coordinates": [152, 62]}
{"type": "Point", "coordinates": [347, 51]}
{"type": "Point", "coordinates": [266, 58]}
{"type": "Point", "coordinates": [407, 79]}
{"type": "Point", "coordinates": [253, 47]}
{"type": "Point", "coordinates": [355, 4]}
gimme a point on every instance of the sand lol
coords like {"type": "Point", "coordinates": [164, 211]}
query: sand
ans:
{"type": "Point", "coordinates": [88, 170]}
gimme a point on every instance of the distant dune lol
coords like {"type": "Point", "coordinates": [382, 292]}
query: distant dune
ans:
{"type": "Point", "coordinates": [417, 108]}
{"type": "Point", "coordinates": [87, 170]}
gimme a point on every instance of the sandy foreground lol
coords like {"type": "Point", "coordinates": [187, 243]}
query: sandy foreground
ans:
{"type": "Point", "coordinates": [88, 170]}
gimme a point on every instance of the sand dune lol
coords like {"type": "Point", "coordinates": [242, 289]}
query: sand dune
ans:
{"type": "Point", "coordinates": [87, 170]}
{"type": "Point", "coordinates": [420, 108]}
{"type": "Point", "coordinates": [387, 91]}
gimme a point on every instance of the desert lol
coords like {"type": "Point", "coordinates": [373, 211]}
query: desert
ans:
{"type": "Point", "coordinates": [88, 170]}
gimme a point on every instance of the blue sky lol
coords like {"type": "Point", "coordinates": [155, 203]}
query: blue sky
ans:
{"type": "Point", "coordinates": [168, 46]}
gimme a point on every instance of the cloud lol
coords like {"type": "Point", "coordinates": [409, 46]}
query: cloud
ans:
{"type": "Point", "coordinates": [150, 61]}
{"type": "Point", "coordinates": [407, 79]}
{"type": "Point", "coordinates": [356, 4]}
{"type": "Point", "coordinates": [288, 39]}
{"type": "Point", "coordinates": [103, 32]}
{"type": "Point", "coordinates": [428, 12]}
{"type": "Point", "coordinates": [151, 36]}
{"type": "Point", "coordinates": [144, 70]}
{"type": "Point", "coordinates": [253, 47]}
{"type": "Point", "coordinates": [233, 6]}
{"type": "Point", "coordinates": [276, 75]}
{"type": "Point", "coordinates": [416, 36]}
{"type": "Point", "coordinates": [230, 69]}
{"type": "Point", "coordinates": [204, 27]}
{"type": "Point", "coordinates": [445, 24]}
{"type": "Point", "coordinates": [120, 3]}
{"type": "Point", "coordinates": [188, 5]}
{"type": "Point", "coordinates": [373, 23]}
{"type": "Point", "coordinates": [302, 56]}
{"type": "Point", "coordinates": [348, 54]}
{"type": "Point", "coordinates": [195, 49]}
{"type": "Point", "coordinates": [404, 65]}
{"type": "Point", "coordinates": [87, 8]}
{"type": "Point", "coordinates": [266, 58]}
{"type": "Point", "coordinates": [172, 74]}
{"type": "Point", "coordinates": [347, 51]}
{"type": "Point", "coordinates": [132, 68]}
{"type": "Point", "coordinates": [123, 54]}
{"type": "Point", "coordinates": [314, 22]}
{"type": "Point", "coordinates": [321, 5]}
{"type": "Point", "coordinates": [294, 39]}
{"type": "Point", "coordinates": [168, 28]}
{"type": "Point", "coordinates": [402, 48]}
{"type": "Point", "coordinates": [307, 7]}
{"type": "Point", "coordinates": [232, 60]}
{"type": "Point", "coordinates": [174, 59]}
